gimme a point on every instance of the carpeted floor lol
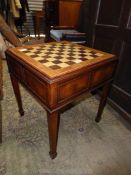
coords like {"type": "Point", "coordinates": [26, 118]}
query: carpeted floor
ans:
{"type": "Point", "coordinates": [84, 147]}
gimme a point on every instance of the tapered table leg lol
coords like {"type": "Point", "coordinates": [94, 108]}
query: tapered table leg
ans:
{"type": "Point", "coordinates": [103, 100]}
{"type": "Point", "coordinates": [53, 127]}
{"type": "Point", "coordinates": [17, 94]}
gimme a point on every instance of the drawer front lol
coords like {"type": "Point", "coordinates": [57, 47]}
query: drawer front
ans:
{"type": "Point", "coordinates": [73, 87]}
{"type": "Point", "coordinates": [16, 69]}
{"type": "Point", "coordinates": [30, 80]}
{"type": "Point", "coordinates": [102, 74]}
{"type": "Point", "coordinates": [37, 86]}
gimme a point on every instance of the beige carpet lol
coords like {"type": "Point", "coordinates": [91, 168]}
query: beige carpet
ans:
{"type": "Point", "coordinates": [84, 147]}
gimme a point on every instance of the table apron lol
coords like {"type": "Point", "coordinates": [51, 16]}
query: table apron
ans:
{"type": "Point", "coordinates": [58, 94]}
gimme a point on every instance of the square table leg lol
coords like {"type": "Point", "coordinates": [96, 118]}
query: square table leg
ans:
{"type": "Point", "coordinates": [17, 94]}
{"type": "Point", "coordinates": [103, 100]}
{"type": "Point", "coordinates": [53, 128]}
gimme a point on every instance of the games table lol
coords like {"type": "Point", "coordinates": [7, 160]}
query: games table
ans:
{"type": "Point", "coordinates": [56, 74]}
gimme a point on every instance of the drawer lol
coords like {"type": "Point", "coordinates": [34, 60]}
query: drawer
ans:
{"type": "Point", "coordinates": [73, 87]}
{"type": "Point", "coordinates": [16, 69]}
{"type": "Point", "coordinates": [101, 74]}
{"type": "Point", "coordinates": [36, 85]}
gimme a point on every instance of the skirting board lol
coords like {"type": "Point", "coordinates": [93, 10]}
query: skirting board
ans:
{"type": "Point", "coordinates": [119, 109]}
{"type": "Point", "coordinates": [124, 97]}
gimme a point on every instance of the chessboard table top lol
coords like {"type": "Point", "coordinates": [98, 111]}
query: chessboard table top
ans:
{"type": "Point", "coordinates": [58, 58]}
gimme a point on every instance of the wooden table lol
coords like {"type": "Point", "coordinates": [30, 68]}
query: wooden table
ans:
{"type": "Point", "coordinates": [56, 74]}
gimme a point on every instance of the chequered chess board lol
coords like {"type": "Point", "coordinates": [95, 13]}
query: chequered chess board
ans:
{"type": "Point", "coordinates": [60, 55]}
